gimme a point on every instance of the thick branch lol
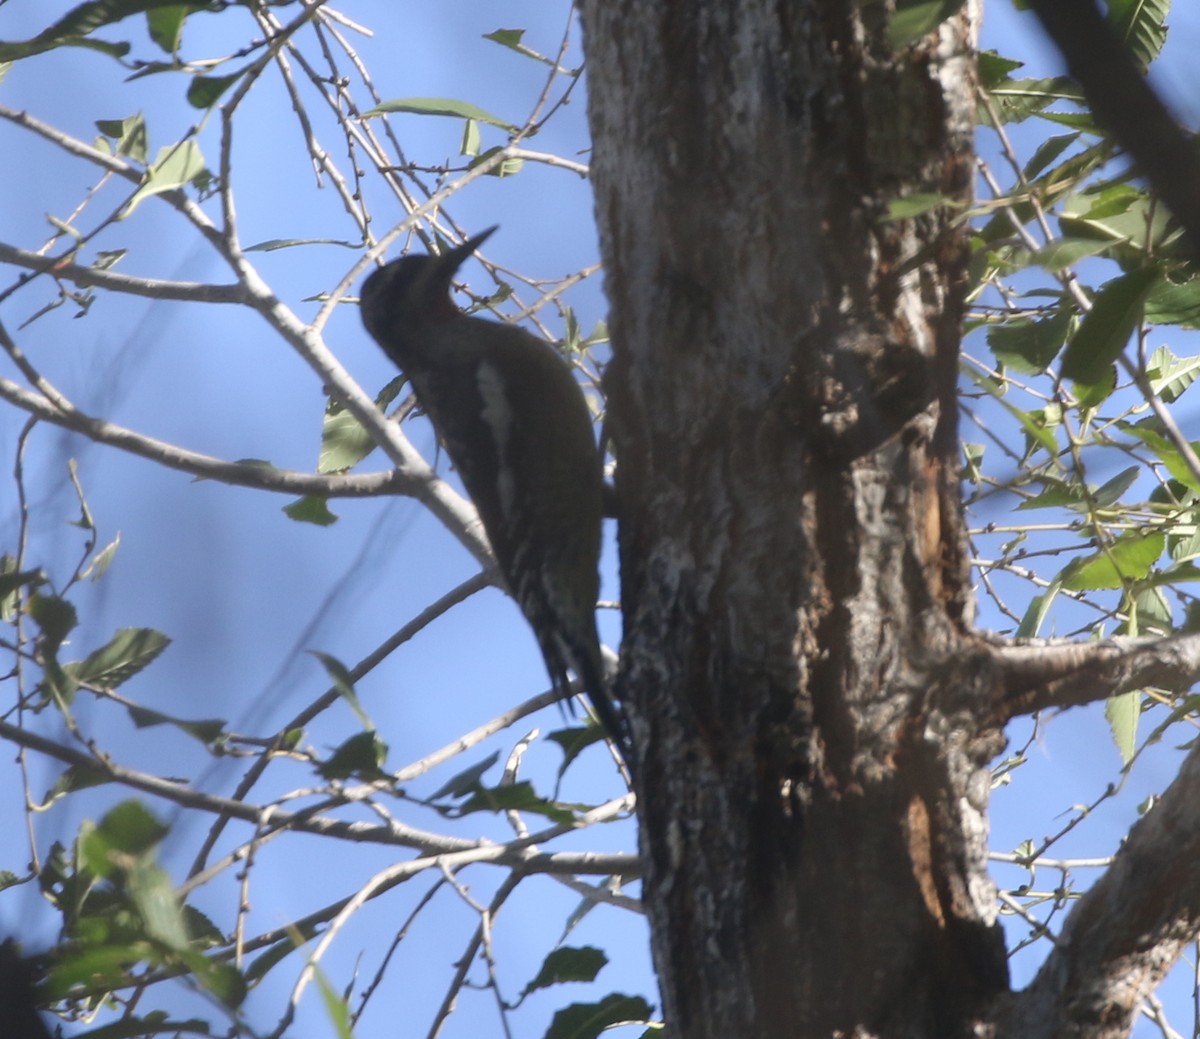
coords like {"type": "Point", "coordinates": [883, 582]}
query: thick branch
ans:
{"type": "Point", "coordinates": [1126, 931]}
{"type": "Point", "coordinates": [1033, 677]}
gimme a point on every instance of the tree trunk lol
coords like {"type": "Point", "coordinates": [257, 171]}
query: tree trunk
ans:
{"type": "Point", "coordinates": [797, 657]}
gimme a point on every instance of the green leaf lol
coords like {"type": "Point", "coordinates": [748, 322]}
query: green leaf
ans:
{"type": "Point", "coordinates": [470, 138]}
{"type": "Point", "coordinates": [343, 684]}
{"type": "Point", "coordinates": [174, 167]}
{"type": "Point", "coordinates": [1109, 493]}
{"type": "Point", "coordinates": [130, 135]}
{"type": "Point", "coordinates": [1047, 152]}
{"type": "Point", "coordinates": [915, 205]}
{"type": "Point", "coordinates": [567, 964]}
{"type": "Point", "coordinates": [1129, 558]}
{"type": "Point", "coordinates": [519, 797]}
{"type": "Point", "coordinates": [507, 168]}
{"type": "Point", "coordinates": [12, 581]}
{"type": "Point", "coordinates": [440, 106]}
{"type": "Point", "coordinates": [1169, 375]}
{"type": "Point", "coordinates": [77, 777]}
{"type": "Point", "coordinates": [205, 91]}
{"type": "Point", "coordinates": [165, 25]}
{"type": "Point", "coordinates": [588, 1020]}
{"type": "Point", "coordinates": [344, 440]}
{"type": "Point", "coordinates": [1171, 303]}
{"type": "Point", "coordinates": [1149, 435]}
{"type": "Point", "coordinates": [1017, 99]}
{"type": "Point", "coordinates": [73, 28]}
{"type": "Point", "coordinates": [511, 38]}
{"type": "Point", "coordinates": [362, 755]}
{"type": "Point", "coordinates": [55, 617]}
{"type": "Point", "coordinates": [129, 651]}
{"type": "Point", "coordinates": [102, 560]}
{"type": "Point", "coordinates": [1106, 328]}
{"type": "Point", "coordinates": [311, 509]}
{"type": "Point", "coordinates": [1029, 346]}
{"type": "Point", "coordinates": [917, 18]}
{"type": "Point", "coordinates": [1141, 24]}
{"type": "Point", "coordinates": [156, 902]}
{"type": "Point", "coordinates": [994, 69]}
{"type": "Point", "coordinates": [1066, 252]}
{"type": "Point", "coordinates": [468, 780]}
{"type": "Point", "coordinates": [126, 832]}
{"type": "Point", "coordinates": [1036, 611]}
{"type": "Point", "coordinates": [335, 1006]}
{"type": "Point", "coordinates": [207, 730]}
{"type": "Point", "coordinates": [1122, 713]}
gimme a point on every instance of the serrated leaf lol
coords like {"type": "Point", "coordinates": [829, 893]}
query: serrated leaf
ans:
{"type": "Point", "coordinates": [175, 166]}
{"type": "Point", "coordinates": [1017, 99]}
{"type": "Point", "coordinates": [1141, 24]}
{"type": "Point", "coordinates": [917, 18]}
{"type": "Point", "coordinates": [1122, 714]}
{"type": "Point", "coordinates": [311, 509]}
{"type": "Point", "coordinates": [129, 651]}
{"type": "Point", "coordinates": [1169, 375]}
{"type": "Point", "coordinates": [439, 106]}
{"type": "Point", "coordinates": [1105, 329]}
{"type": "Point", "coordinates": [1129, 558]}
{"type": "Point", "coordinates": [567, 964]}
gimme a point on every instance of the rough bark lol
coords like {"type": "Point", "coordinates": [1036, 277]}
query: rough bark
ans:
{"type": "Point", "coordinates": [812, 786]}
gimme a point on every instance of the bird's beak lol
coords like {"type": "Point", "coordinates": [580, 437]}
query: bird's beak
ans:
{"type": "Point", "coordinates": [452, 259]}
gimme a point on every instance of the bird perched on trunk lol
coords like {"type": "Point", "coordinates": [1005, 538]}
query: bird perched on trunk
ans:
{"type": "Point", "coordinates": [518, 430]}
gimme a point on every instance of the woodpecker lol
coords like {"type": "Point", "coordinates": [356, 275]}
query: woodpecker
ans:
{"type": "Point", "coordinates": [516, 427]}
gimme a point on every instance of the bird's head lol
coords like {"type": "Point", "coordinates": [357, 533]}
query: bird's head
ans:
{"type": "Point", "coordinates": [413, 289]}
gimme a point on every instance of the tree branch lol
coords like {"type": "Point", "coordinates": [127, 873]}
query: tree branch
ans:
{"type": "Point", "coordinates": [1032, 677]}
{"type": "Point", "coordinates": [1123, 101]}
{"type": "Point", "coordinates": [1127, 930]}
{"type": "Point", "coordinates": [154, 288]}
{"type": "Point", "coordinates": [240, 474]}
